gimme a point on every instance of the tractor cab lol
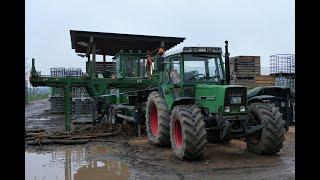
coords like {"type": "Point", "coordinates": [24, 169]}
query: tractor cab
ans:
{"type": "Point", "coordinates": [194, 65]}
{"type": "Point", "coordinates": [197, 75]}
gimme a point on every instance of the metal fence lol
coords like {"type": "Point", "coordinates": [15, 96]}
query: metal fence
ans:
{"type": "Point", "coordinates": [57, 105]}
{"type": "Point", "coordinates": [282, 63]}
{"type": "Point", "coordinates": [58, 72]}
{"type": "Point", "coordinates": [285, 82]}
{"type": "Point", "coordinates": [83, 108]}
{"type": "Point", "coordinates": [73, 72]}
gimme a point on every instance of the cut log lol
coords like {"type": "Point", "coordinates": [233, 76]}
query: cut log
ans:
{"type": "Point", "coordinates": [33, 134]}
{"type": "Point", "coordinates": [80, 137]}
{"type": "Point", "coordinates": [71, 142]}
{"type": "Point", "coordinates": [39, 142]}
{"type": "Point", "coordinates": [30, 139]}
{"type": "Point", "coordinates": [64, 142]}
{"type": "Point", "coordinates": [34, 130]}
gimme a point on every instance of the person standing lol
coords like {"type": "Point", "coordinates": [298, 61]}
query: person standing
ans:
{"type": "Point", "coordinates": [149, 64]}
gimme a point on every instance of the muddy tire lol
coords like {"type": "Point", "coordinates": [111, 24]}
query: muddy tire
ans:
{"type": "Point", "coordinates": [157, 120]}
{"type": "Point", "coordinates": [187, 132]}
{"type": "Point", "coordinates": [270, 139]}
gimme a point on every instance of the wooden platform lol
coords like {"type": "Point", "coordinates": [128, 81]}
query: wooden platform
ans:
{"type": "Point", "coordinates": [261, 80]}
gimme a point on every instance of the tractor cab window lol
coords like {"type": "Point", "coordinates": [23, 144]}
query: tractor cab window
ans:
{"type": "Point", "coordinates": [175, 71]}
{"type": "Point", "coordinates": [204, 67]}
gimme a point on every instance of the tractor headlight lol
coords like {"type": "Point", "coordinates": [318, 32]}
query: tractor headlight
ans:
{"type": "Point", "coordinates": [242, 108]}
{"type": "Point", "coordinates": [227, 109]}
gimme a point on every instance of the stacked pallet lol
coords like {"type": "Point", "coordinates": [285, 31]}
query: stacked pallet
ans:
{"type": "Point", "coordinates": [244, 67]}
{"type": "Point", "coordinates": [265, 80]}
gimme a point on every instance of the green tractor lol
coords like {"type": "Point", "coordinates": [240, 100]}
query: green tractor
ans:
{"type": "Point", "coordinates": [185, 102]}
{"type": "Point", "coordinates": [194, 104]}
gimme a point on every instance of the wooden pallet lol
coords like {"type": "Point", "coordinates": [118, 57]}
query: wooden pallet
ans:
{"type": "Point", "coordinates": [247, 66]}
{"type": "Point", "coordinates": [265, 80]}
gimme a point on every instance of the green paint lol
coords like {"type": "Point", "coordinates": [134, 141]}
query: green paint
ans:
{"type": "Point", "coordinates": [215, 91]}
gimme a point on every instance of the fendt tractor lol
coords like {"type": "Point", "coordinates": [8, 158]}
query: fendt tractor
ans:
{"type": "Point", "coordinates": [184, 99]}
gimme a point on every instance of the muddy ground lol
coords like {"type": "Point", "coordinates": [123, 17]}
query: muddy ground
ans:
{"type": "Point", "coordinates": [129, 157]}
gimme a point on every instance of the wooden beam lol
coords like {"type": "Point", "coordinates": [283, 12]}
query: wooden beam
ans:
{"type": "Point", "coordinates": [92, 44]}
{"type": "Point", "coordinates": [104, 62]}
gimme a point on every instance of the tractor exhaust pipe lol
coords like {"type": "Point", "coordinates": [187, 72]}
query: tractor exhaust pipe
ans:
{"type": "Point", "coordinates": [33, 68]}
{"type": "Point", "coordinates": [227, 67]}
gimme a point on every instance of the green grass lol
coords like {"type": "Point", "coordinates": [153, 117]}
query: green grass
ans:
{"type": "Point", "coordinates": [37, 97]}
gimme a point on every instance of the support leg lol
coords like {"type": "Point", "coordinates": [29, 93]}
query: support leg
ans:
{"type": "Point", "coordinates": [67, 108]}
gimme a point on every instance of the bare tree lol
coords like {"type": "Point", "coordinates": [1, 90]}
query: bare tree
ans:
{"type": "Point", "coordinates": [26, 78]}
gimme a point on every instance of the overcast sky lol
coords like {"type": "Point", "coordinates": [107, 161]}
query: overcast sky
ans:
{"type": "Point", "coordinates": [252, 27]}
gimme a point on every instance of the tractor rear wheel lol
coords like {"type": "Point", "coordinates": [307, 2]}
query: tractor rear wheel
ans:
{"type": "Point", "coordinates": [187, 132]}
{"type": "Point", "coordinates": [268, 140]}
{"type": "Point", "coordinates": [157, 120]}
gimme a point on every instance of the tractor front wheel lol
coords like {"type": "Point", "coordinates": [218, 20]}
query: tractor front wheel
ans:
{"type": "Point", "coordinates": [157, 120]}
{"type": "Point", "coordinates": [268, 140]}
{"type": "Point", "coordinates": [187, 132]}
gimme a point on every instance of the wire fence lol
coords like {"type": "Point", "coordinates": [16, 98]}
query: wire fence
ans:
{"type": "Point", "coordinates": [282, 63]}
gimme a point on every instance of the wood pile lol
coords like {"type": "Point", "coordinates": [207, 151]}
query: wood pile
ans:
{"type": "Point", "coordinates": [38, 137]}
{"type": "Point", "coordinates": [265, 80]}
{"type": "Point", "coordinates": [262, 80]}
{"type": "Point", "coordinates": [244, 67]}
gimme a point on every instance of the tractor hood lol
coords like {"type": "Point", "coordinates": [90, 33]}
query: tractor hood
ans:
{"type": "Point", "coordinates": [214, 97]}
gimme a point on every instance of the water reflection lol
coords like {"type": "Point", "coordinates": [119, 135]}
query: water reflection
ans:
{"type": "Point", "coordinates": [73, 164]}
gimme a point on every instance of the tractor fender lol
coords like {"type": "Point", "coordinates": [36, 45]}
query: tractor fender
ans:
{"type": "Point", "coordinates": [183, 101]}
{"type": "Point", "coordinates": [261, 98]}
{"type": "Point", "coordinates": [158, 89]}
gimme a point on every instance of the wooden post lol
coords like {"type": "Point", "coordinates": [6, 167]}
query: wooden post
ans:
{"type": "Point", "coordinates": [67, 107]}
{"type": "Point", "coordinates": [89, 66]}
{"type": "Point", "coordinates": [93, 57]}
{"type": "Point", "coordinates": [94, 61]}
{"type": "Point", "coordinates": [104, 63]}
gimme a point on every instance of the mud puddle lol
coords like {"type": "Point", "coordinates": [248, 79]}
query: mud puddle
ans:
{"type": "Point", "coordinates": [74, 163]}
